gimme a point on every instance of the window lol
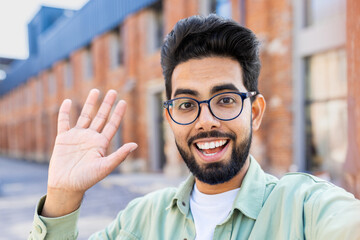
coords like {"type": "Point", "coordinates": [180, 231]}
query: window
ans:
{"type": "Point", "coordinates": [326, 113]}
{"type": "Point", "coordinates": [2, 75]}
{"type": "Point", "coordinates": [88, 64]}
{"type": "Point", "coordinates": [220, 7]}
{"type": "Point", "coordinates": [68, 75]}
{"type": "Point", "coordinates": [223, 8]}
{"type": "Point", "coordinates": [27, 95]}
{"type": "Point", "coordinates": [51, 83]}
{"type": "Point", "coordinates": [318, 11]}
{"type": "Point", "coordinates": [39, 91]}
{"type": "Point", "coordinates": [155, 27]}
{"type": "Point", "coordinates": [116, 50]}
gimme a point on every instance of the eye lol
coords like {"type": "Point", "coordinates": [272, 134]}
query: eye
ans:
{"type": "Point", "coordinates": [186, 106]}
{"type": "Point", "coordinates": [226, 100]}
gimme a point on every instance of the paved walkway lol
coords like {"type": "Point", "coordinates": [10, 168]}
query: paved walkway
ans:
{"type": "Point", "coordinates": [23, 183]}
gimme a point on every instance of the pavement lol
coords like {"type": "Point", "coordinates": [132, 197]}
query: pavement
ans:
{"type": "Point", "coordinates": [23, 183]}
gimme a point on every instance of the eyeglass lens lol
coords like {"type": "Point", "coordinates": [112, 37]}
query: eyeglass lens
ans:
{"type": "Point", "coordinates": [224, 106]}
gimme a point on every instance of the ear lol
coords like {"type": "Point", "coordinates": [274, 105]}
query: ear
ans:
{"type": "Point", "coordinates": [258, 109]}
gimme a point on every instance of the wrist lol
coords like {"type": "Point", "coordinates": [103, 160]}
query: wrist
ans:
{"type": "Point", "coordinates": [60, 202]}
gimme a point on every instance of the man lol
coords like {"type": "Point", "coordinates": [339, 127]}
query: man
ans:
{"type": "Point", "coordinates": [211, 67]}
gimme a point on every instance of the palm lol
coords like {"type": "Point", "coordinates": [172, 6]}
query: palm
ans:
{"type": "Point", "coordinates": [78, 152]}
{"type": "Point", "coordinates": [78, 160]}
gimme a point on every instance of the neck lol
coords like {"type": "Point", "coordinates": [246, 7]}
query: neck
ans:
{"type": "Point", "coordinates": [233, 183]}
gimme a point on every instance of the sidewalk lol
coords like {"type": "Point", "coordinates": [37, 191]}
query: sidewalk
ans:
{"type": "Point", "coordinates": [23, 183]}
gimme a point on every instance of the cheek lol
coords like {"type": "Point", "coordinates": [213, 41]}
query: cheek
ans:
{"type": "Point", "coordinates": [246, 117]}
{"type": "Point", "coordinates": [181, 133]}
{"type": "Point", "coordinates": [241, 125]}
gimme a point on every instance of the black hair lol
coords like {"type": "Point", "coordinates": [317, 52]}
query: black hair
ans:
{"type": "Point", "coordinates": [198, 37]}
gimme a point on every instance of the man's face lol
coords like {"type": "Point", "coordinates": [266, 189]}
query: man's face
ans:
{"type": "Point", "coordinates": [201, 79]}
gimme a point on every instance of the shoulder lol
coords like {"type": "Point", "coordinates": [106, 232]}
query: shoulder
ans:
{"type": "Point", "coordinates": [307, 187]}
{"type": "Point", "coordinates": [306, 195]}
{"type": "Point", "coordinates": [305, 182]}
{"type": "Point", "coordinates": [299, 178]}
{"type": "Point", "coordinates": [329, 211]}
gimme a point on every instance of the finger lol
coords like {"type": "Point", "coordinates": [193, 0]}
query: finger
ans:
{"type": "Point", "coordinates": [85, 116]}
{"type": "Point", "coordinates": [99, 121]}
{"type": "Point", "coordinates": [64, 118]}
{"type": "Point", "coordinates": [110, 162]}
{"type": "Point", "coordinates": [114, 122]}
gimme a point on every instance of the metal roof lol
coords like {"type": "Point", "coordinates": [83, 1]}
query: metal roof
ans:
{"type": "Point", "coordinates": [56, 38]}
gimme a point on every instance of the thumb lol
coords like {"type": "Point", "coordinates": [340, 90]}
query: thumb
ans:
{"type": "Point", "coordinates": [114, 159]}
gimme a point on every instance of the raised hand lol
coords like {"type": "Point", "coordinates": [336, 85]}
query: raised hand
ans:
{"type": "Point", "coordinates": [78, 161]}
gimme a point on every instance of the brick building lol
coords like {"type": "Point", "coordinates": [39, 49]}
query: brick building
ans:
{"type": "Point", "coordinates": [115, 44]}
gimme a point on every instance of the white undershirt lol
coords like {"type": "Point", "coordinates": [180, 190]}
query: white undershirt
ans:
{"type": "Point", "coordinates": [210, 210]}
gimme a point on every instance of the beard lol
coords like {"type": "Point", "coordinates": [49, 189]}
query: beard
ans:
{"type": "Point", "coordinates": [218, 172]}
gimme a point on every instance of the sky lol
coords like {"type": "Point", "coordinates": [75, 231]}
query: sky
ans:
{"type": "Point", "coordinates": [14, 17]}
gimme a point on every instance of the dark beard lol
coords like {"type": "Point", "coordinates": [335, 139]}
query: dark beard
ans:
{"type": "Point", "coordinates": [218, 172]}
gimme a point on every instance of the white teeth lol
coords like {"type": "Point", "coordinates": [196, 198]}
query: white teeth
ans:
{"type": "Point", "coordinates": [210, 145]}
{"type": "Point", "coordinates": [207, 145]}
{"type": "Point", "coordinates": [210, 154]}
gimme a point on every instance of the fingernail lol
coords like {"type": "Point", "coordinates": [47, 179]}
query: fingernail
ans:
{"type": "Point", "coordinates": [134, 147]}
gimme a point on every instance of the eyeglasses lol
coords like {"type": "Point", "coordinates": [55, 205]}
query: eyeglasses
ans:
{"type": "Point", "coordinates": [224, 106]}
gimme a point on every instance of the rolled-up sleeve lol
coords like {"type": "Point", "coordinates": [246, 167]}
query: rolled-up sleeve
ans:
{"type": "Point", "coordinates": [64, 227]}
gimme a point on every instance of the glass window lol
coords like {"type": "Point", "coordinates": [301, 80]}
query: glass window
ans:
{"type": "Point", "coordinates": [155, 27]}
{"type": "Point", "coordinates": [39, 91]}
{"type": "Point", "coordinates": [68, 75]}
{"type": "Point", "coordinates": [116, 50]}
{"type": "Point", "coordinates": [88, 64]}
{"type": "Point", "coordinates": [207, 6]}
{"type": "Point", "coordinates": [326, 113]}
{"type": "Point", "coordinates": [2, 75]}
{"type": "Point", "coordinates": [52, 83]}
{"type": "Point", "coordinates": [318, 11]}
{"type": "Point", "coordinates": [220, 7]}
{"type": "Point", "coordinates": [28, 95]}
{"type": "Point", "coordinates": [223, 8]}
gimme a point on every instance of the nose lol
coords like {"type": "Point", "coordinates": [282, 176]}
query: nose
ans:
{"type": "Point", "coordinates": [206, 120]}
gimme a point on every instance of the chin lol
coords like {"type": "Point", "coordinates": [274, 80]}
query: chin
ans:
{"type": "Point", "coordinates": [223, 169]}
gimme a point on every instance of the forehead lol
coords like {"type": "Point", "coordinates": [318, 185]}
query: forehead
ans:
{"type": "Point", "coordinates": [203, 74]}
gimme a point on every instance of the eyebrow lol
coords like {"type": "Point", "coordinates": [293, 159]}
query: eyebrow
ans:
{"type": "Point", "coordinates": [228, 86]}
{"type": "Point", "coordinates": [215, 89]}
{"type": "Point", "coordinates": [186, 91]}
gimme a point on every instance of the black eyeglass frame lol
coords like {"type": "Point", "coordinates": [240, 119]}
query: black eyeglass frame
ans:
{"type": "Point", "coordinates": [243, 95]}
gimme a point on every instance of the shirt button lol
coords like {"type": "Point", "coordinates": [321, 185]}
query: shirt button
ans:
{"type": "Point", "coordinates": [183, 203]}
{"type": "Point", "coordinates": [38, 229]}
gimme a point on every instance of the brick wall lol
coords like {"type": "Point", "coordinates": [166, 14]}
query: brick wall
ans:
{"type": "Point", "coordinates": [272, 23]}
{"type": "Point", "coordinates": [141, 72]}
{"type": "Point", "coordinates": [352, 164]}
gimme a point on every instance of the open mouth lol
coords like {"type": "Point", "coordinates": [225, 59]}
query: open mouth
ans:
{"type": "Point", "coordinates": [211, 148]}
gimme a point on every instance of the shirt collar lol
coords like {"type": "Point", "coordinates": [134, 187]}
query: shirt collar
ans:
{"type": "Point", "coordinates": [249, 200]}
{"type": "Point", "coordinates": [182, 196]}
{"type": "Point", "coordinates": [252, 191]}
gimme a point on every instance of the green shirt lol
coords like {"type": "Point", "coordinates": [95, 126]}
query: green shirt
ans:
{"type": "Point", "coordinates": [299, 206]}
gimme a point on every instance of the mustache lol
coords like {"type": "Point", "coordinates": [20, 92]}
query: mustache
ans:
{"type": "Point", "coordinates": [212, 134]}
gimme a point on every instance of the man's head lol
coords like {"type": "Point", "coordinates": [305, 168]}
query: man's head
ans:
{"type": "Point", "coordinates": [210, 66]}
{"type": "Point", "coordinates": [198, 37]}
